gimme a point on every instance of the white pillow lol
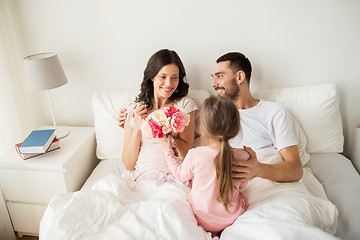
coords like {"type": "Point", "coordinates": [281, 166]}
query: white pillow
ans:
{"type": "Point", "coordinates": [317, 109]}
{"type": "Point", "coordinates": [106, 106]}
{"type": "Point", "coordinates": [302, 142]}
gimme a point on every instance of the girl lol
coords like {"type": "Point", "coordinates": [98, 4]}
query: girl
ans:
{"type": "Point", "coordinates": [215, 199]}
{"type": "Point", "coordinates": [163, 85]}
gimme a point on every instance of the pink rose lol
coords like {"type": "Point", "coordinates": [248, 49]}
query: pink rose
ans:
{"type": "Point", "coordinates": [167, 128]}
{"type": "Point", "coordinates": [156, 129]}
{"type": "Point", "coordinates": [169, 111]}
{"type": "Point", "coordinates": [178, 121]}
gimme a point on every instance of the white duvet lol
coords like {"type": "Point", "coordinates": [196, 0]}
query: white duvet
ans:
{"type": "Point", "coordinates": [117, 208]}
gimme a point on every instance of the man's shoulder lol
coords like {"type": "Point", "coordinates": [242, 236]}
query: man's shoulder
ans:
{"type": "Point", "coordinates": [277, 111]}
{"type": "Point", "coordinates": [270, 104]}
{"type": "Point", "coordinates": [268, 107]}
{"type": "Point", "coordinates": [273, 106]}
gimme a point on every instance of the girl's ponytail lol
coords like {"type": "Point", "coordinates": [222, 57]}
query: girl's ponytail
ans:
{"type": "Point", "coordinates": [223, 162]}
{"type": "Point", "coordinates": [220, 121]}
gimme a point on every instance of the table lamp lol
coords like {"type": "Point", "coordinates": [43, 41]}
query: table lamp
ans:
{"type": "Point", "coordinates": [43, 71]}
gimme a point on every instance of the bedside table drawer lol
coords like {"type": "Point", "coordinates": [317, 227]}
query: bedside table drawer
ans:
{"type": "Point", "coordinates": [31, 186]}
{"type": "Point", "coordinates": [26, 217]}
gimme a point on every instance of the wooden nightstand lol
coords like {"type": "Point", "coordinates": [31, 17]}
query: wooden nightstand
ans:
{"type": "Point", "coordinates": [29, 185]}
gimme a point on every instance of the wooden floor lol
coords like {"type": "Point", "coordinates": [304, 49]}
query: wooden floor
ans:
{"type": "Point", "coordinates": [26, 237]}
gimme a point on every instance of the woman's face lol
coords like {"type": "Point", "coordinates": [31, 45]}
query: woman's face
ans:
{"type": "Point", "coordinates": [166, 81]}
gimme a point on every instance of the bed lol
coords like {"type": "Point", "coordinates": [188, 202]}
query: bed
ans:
{"type": "Point", "coordinates": [322, 205]}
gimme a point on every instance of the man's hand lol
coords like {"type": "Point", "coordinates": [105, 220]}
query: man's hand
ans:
{"type": "Point", "coordinates": [122, 117]}
{"type": "Point", "coordinates": [139, 114]}
{"type": "Point", "coordinates": [245, 170]}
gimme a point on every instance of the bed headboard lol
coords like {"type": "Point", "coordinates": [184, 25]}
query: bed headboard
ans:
{"type": "Point", "coordinates": [316, 108]}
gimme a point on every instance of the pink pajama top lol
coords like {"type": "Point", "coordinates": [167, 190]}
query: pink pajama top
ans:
{"type": "Point", "coordinates": [151, 156]}
{"type": "Point", "coordinates": [199, 166]}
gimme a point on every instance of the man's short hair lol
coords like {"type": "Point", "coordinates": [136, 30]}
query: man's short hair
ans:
{"type": "Point", "coordinates": [238, 61]}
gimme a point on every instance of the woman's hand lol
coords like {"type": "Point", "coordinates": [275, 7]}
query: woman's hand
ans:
{"type": "Point", "coordinates": [184, 141]}
{"type": "Point", "coordinates": [133, 137]}
{"type": "Point", "coordinates": [139, 114]}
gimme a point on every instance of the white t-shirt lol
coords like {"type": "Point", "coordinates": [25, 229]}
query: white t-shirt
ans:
{"type": "Point", "coordinates": [266, 125]}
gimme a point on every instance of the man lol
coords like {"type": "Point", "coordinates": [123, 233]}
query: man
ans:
{"type": "Point", "coordinates": [264, 124]}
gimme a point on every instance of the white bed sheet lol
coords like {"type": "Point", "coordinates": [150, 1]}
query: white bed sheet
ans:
{"type": "Point", "coordinates": [334, 171]}
{"type": "Point", "coordinates": [115, 207]}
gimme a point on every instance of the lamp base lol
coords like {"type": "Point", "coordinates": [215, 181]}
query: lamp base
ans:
{"type": "Point", "coordinates": [61, 133]}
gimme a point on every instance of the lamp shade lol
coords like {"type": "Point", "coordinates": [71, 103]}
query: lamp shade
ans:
{"type": "Point", "coordinates": [43, 71]}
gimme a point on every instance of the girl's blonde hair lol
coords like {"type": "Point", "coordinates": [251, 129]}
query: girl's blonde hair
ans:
{"type": "Point", "coordinates": [220, 120]}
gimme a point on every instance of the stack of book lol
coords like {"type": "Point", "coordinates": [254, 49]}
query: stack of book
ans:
{"type": "Point", "coordinates": [37, 143]}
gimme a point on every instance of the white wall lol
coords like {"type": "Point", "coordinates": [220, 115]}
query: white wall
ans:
{"type": "Point", "coordinates": [105, 45]}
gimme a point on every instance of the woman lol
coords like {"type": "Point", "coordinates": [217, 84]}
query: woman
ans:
{"type": "Point", "coordinates": [163, 85]}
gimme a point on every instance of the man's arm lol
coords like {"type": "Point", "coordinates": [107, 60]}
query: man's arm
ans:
{"type": "Point", "coordinates": [122, 117]}
{"type": "Point", "coordinates": [288, 171]}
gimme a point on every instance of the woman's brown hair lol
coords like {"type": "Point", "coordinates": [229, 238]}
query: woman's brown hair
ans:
{"type": "Point", "coordinates": [220, 120]}
{"type": "Point", "coordinates": [157, 61]}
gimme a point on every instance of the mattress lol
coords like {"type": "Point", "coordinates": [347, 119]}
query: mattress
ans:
{"type": "Point", "coordinates": [104, 168]}
{"type": "Point", "coordinates": [342, 186]}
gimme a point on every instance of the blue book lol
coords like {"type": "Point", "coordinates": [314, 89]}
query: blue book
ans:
{"type": "Point", "coordinates": [38, 141]}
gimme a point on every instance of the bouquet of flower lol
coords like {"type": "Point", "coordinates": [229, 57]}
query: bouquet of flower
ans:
{"type": "Point", "coordinates": [164, 121]}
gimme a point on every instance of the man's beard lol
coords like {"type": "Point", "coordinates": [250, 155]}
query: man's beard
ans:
{"type": "Point", "coordinates": [233, 91]}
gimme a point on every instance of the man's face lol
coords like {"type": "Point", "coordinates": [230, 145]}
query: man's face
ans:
{"type": "Point", "coordinates": [224, 81]}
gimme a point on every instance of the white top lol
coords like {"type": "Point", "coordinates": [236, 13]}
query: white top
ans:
{"type": "Point", "coordinates": [151, 156]}
{"type": "Point", "coordinates": [266, 125]}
